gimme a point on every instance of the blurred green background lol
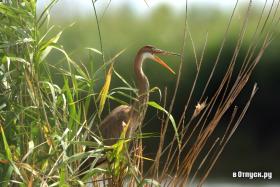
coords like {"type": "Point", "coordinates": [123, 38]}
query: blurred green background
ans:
{"type": "Point", "coordinates": [255, 145]}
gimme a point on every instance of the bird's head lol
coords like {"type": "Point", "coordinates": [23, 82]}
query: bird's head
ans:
{"type": "Point", "coordinates": [150, 52]}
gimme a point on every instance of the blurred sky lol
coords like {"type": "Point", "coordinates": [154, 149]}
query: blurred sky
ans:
{"type": "Point", "coordinates": [84, 7]}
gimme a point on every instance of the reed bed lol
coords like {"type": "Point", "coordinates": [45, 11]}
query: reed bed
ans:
{"type": "Point", "coordinates": [45, 126]}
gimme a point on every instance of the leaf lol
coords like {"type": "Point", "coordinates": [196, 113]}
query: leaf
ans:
{"type": "Point", "coordinates": [117, 100]}
{"type": "Point", "coordinates": [9, 153]}
{"type": "Point", "coordinates": [29, 168]}
{"type": "Point", "coordinates": [117, 155]}
{"type": "Point", "coordinates": [92, 172]}
{"type": "Point", "coordinates": [157, 106]}
{"type": "Point", "coordinates": [101, 68]}
{"type": "Point", "coordinates": [71, 106]}
{"type": "Point", "coordinates": [123, 80]}
{"type": "Point", "coordinates": [5, 44]}
{"type": "Point", "coordinates": [6, 145]}
{"type": "Point", "coordinates": [48, 7]}
{"type": "Point", "coordinates": [46, 47]}
{"type": "Point", "coordinates": [7, 59]}
{"type": "Point", "coordinates": [105, 89]}
{"type": "Point", "coordinates": [7, 176]}
{"type": "Point", "coordinates": [125, 95]}
{"type": "Point", "coordinates": [94, 50]}
{"type": "Point", "coordinates": [70, 61]}
{"type": "Point", "coordinates": [144, 158]}
{"type": "Point", "coordinates": [12, 12]}
{"type": "Point", "coordinates": [149, 182]}
{"type": "Point", "coordinates": [154, 89]}
{"type": "Point", "coordinates": [63, 176]}
{"type": "Point", "coordinates": [80, 156]}
{"type": "Point", "coordinates": [46, 33]}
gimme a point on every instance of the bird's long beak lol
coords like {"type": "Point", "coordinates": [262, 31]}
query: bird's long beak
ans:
{"type": "Point", "coordinates": [157, 59]}
{"type": "Point", "coordinates": [159, 51]}
{"type": "Point", "coordinates": [161, 62]}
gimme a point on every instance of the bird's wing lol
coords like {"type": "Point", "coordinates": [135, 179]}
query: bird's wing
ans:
{"type": "Point", "coordinates": [112, 126]}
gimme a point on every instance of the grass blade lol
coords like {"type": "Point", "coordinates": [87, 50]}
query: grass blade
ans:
{"type": "Point", "coordinates": [105, 89]}
{"type": "Point", "coordinates": [157, 106]}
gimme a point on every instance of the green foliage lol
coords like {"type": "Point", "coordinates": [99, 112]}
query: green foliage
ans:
{"type": "Point", "coordinates": [160, 108]}
{"type": "Point", "coordinates": [46, 108]}
{"type": "Point", "coordinates": [40, 120]}
{"type": "Point", "coordinates": [118, 156]}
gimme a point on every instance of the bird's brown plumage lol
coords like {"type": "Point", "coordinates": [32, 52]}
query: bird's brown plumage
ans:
{"type": "Point", "coordinates": [119, 115]}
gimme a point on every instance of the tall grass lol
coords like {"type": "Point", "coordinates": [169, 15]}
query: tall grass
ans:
{"type": "Point", "coordinates": [45, 125]}
{"type": "Point", "coordinates": [41, 121]}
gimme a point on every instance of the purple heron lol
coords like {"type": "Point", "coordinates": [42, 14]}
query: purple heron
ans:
{"type": "Point", "coordinates": [132, 115]}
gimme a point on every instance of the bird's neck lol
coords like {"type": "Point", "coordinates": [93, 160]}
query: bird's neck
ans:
{"type": "Point", "coordinates": [141, 79]}
{"type": "Point", "coordinates": [140, 105]}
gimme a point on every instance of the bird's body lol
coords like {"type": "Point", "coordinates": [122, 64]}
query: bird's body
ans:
{"type": "Point", "coordinates": [118, 116]}
{"type": "Point", "coordinates": [112, 126]}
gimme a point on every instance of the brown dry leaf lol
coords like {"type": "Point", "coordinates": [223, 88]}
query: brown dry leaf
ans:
{"type": "Point", "coordinates": [198, 108]}
{"type": "Point", "coordinates": [105, 89]}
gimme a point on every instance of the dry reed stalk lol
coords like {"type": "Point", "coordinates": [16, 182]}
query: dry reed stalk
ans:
{"type": "Point", "coordinates": [181, 161]}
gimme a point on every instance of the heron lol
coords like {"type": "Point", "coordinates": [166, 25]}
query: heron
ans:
{"type": "Point", "coordinates": [133, 115]}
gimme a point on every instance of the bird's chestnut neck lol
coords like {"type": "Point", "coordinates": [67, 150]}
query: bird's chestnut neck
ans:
{"type": "Point", "coordinates": [141, 79]}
